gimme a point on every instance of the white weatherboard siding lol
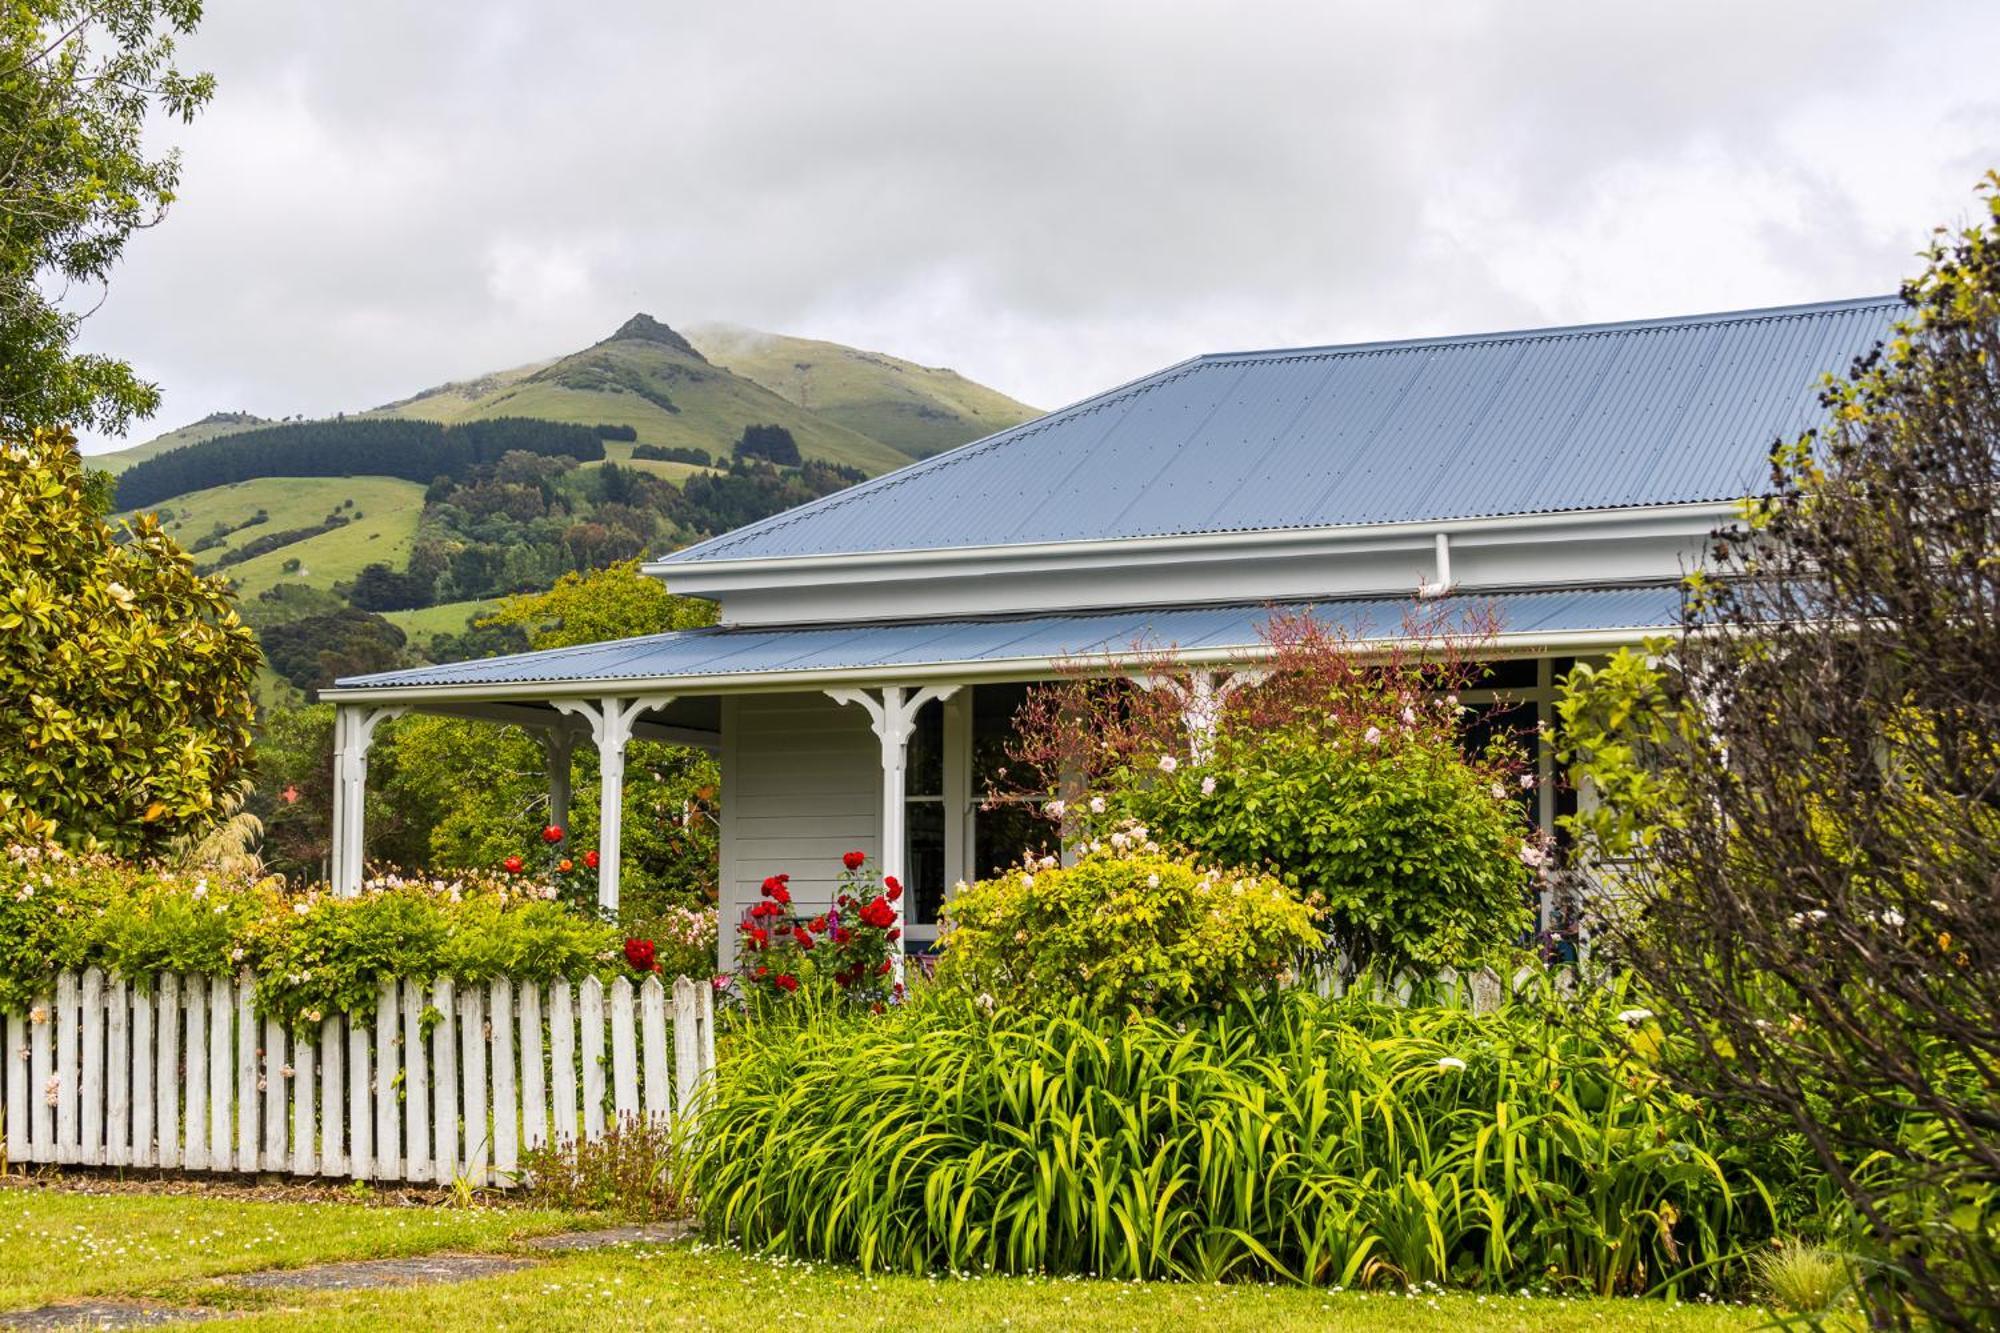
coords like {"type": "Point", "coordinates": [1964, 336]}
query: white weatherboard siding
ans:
{"type": "Point", "coordinates": [802, 783]}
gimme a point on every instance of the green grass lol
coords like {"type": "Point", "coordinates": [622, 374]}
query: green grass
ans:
{"type": "Point", "coordinates": [60, 1246]}
{"type": "Point", "coordinates": [57, 1246]}
{"type": "Point", "coordinates": [920, 410]}
{"type": "Point", "coordinates": [426, 623]}
{"type": "Point", "coordinates": [389, 512]}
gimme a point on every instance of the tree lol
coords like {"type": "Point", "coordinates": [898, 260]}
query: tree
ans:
{"type": "Point", "coordinates": [78, 80]}
{"type": "Point", "coordinates": [772, 443]}
{"type": "Point", "coordinates": [124, 675]}
{"type": "Point", "coordinates": [1806, 780]}
{"type": "Point", "coordinates": [613, 603]}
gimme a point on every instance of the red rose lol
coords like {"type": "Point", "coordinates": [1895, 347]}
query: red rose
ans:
{"type": "Point", "coordinates": [762, 970]}
{"type": "Point", "coordinates": [878, 914]}
{"type": "Point", "coordinates": [512, 865]}
{"type": "Point", "coordinates": [763, 937]}
{"type": "Point", "coordinates": [770, 885]}
{"type": "Point", "coordinates": [894, 885]}
{"type": "Point", "coordinates": [640, 954]}
{"type": "Point", "coordinates": [818, 925]}
{"type": "Point", "coordinates": [896, 934]}
{"type": "Point", "coordinates": [854, 860]}
{"type": "Point", "coordinates": [590, 858]}
{"type": "Point", "coordinates": [787, 982]}
{"type": "Point", "coordinates": [803, 936]}
{"type": "Point", "coordinates": [842, 935]}
{"type": "Point", "coordinates": [552, 834]}
{"type": "Point", "coordinates": [781, 894]}
{"type": "Point", "coordinates": [782, 879]}
{"type": "Point", "coordinates": [883, 970]}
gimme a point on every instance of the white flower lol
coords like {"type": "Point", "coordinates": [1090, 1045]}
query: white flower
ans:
{"type": "Point", "coordinates": [1152, 881]}
{"type": "Point", "coordinates": [1168, 763]}
{"type": "Point", "coordinates": [1451, 701]}
{"type": "Point", "coordinates": [300, 909]}
{"type": "Point", "coordinates": [1527, 781]}
{"type": "Point", "coordinates": [1027, 880]}
{"type": "Point", "coordinates": [986, 1002]}
{"type": "Point", "coordinates": [1631, 1016]}
{"type": "Point", "coordinates": [1054, 809]}
{"type": "Point", "coordinates": [1451, 1062]}
{"type": "Point", "coordinates": [1097, 805]}
{"type": "Point", "coordinates": [1118, 840]}
{"type": "Point", "coordinates": [1531, 855]}
{"type": "Point", "coordinates": [201, 888]}
{"type": "Point", "coordinates": [1409, 717]}
{"type": "Point", "coordinates": [1891, 918]}
{"type": "Point", "coordinates": [1373, 735]}
{"type": "Point", "coordinates": [236, 955]}
{"type": "Point", "coordinates": [1499, 792]}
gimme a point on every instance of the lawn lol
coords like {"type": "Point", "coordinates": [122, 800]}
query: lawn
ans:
{"type": "Point", "coordinates": [57, 1246]}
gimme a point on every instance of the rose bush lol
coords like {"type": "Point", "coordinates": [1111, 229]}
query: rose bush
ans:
{"type": "Point", "coordinates": [845, 951]}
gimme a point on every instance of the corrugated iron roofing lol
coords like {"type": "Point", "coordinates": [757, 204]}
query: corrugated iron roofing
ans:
{"type": "Point", "coordinates": [1598, 416]}
{"type": "Point", "coordinates": [719, 651]}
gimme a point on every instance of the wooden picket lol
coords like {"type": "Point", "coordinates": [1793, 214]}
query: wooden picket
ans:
{"type": "Point", "coordinates": [441, 1082]}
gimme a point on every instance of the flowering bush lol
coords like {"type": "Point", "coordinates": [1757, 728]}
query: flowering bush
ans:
{"type": "Point", "coordinates": [550, 870]}
{"type": "Point", "coordinates": [849, 947]}
{"type": "Point", "coordinates": [313, 953]}
{"type": "Point", "coordinates": [1127, 927]}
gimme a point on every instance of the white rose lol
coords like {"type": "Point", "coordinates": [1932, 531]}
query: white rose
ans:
{"type": "Point", "coordinates": [1168, 763]}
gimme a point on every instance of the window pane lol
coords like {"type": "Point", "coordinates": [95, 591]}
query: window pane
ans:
{"type": "Point", "coordinates": [923, 774]}
{"type": "Point", "coordinates": [993, 709]}
{"type": "Point", "coordinates": [924, 861]}
{"type": "Point", "coordinates": [1003, 833]}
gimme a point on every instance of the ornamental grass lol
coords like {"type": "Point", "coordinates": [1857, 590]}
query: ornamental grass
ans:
{"type": "Point", "coordinates": [1287, 1137]}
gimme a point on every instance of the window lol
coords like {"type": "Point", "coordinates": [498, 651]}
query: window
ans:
{"type": "Point", "coordinates": [1005, 826]}
{"type": "Point", "coordinates": [924, 818]}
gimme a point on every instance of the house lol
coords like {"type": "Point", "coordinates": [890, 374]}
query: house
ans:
{"type": "Point", "coordinates": [874, 644]}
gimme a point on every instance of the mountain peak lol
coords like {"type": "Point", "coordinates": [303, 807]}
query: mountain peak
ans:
{"type": "Point", "coordinates": [644, 328]}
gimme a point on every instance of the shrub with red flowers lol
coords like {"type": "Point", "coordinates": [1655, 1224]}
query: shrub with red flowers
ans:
{"type": "Point", "coordinates": [641, 955]}
{"type": "Point", "coordinates": [554, 872]}
{"type": "Point", "coordinates": [848, 948]}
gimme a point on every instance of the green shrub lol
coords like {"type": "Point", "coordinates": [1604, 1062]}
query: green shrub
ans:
{"type": "Point", "coordinates": [1804, 1279]}
{"type": "Point", "coordinates": [1415, 852]}
{"type": "Point", "coordinates": [1126, 927]}
{"type": "Point", "coordinates": [312, 953]}
{"type": "Point", "coordinates": [1326, 1142]}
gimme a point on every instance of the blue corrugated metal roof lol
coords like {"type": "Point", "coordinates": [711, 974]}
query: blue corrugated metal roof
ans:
{"type": "Point", "coordinates": [1599, 416]}
{"type": "Point", "coordinates": [721, 651]}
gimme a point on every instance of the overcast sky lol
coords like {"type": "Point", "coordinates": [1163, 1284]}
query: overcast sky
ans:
{"type": "Point", "coordinates": [1048, 197]}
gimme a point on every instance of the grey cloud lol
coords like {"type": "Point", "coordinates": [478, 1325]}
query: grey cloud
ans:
{"type": "Point", "coordinates": [1049, 197]}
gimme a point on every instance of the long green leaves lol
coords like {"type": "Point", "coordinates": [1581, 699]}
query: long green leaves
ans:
{"type": "Point", "coordinates": [1300, 1139]}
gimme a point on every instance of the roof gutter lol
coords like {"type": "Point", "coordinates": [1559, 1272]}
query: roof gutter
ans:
{"type": "Point", "coordinates": [990, 669]}
{"type": "Point", "coordinates": [693, 575]}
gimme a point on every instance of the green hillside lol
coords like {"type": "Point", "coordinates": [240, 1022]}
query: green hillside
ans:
{"type": "Point", "coordinates": [208, 428]}
{"type": "Point", "coordinates": [920, 410]}
{"type": "Point", "coordinates": [386, 525]}
{"type": "Point", "coordinates": [648, 377]}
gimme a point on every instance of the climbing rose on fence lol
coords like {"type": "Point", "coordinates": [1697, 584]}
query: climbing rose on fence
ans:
{"type": "Point", "coordinates": [640, 954]}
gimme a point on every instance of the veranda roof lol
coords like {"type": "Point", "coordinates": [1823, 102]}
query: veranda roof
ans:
{"type": "Point", "coordinates": [721, 658]}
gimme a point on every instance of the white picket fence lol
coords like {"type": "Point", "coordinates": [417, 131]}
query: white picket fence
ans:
{"type": "Point", "coordinates": [442, 1083]}
{"type": "Point", "coordinates": [1482, 991]}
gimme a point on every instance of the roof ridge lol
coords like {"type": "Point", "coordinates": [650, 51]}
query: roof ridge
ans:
{"type": "Point", "coordinates": [1552, 332]}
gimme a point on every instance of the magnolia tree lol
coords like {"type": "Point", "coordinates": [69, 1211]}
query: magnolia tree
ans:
{"type": "Point", "coordinates": [1805, 787]}
{"type": "Point", "coordinates": [124, 675]}
{"type": "Point", "coordinates": [1341, 770]}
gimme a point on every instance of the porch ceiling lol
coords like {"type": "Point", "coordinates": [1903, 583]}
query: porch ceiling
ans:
{"type": "Point", "coordinates": [722, 659]}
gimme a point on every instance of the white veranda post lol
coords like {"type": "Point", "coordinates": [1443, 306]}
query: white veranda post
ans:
{"type": "Point", "coordinates": [611, 720]}
{"type": "Point", "coordinates": [1201, 700]}
{"type": "Point", "coordinates": [893, 717]}
{"type": "Point", "coordinates": [353, 729]}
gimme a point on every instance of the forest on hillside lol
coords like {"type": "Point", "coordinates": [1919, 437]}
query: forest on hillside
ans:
{"type": "Point", "coordinates": [418, 451]}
